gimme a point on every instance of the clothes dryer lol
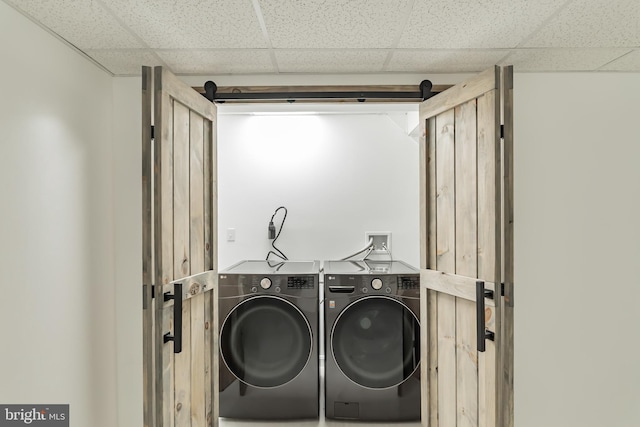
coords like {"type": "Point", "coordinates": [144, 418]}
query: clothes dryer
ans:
{"type": "Point", "coordinates": [372, 340]}
{"type": "Point", "coordinates": [268, 314]}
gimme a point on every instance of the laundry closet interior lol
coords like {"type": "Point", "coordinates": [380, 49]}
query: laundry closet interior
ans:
{"type": "Point", "coordinates": [430, 178]}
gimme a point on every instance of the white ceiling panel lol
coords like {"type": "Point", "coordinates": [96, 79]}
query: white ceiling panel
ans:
{"type": "Point", "coordinates": [562, 59]}
{"type": "Point", "coordinates": [330, 61]}
{"type": "Point", "coordinates": [334, 23]}
{"type": "Point", "coordinates": [442, 61]}
{"type": "Point", "coordinates": [592, 23]}
{"type": "Point", "coordinates": [628, 62]}
{"type": "Point", "coordinates": [215, 61]}
{"type": "Point", "coordinates": [83, 23]}
{"type": "Point", "coordinates": [347, 36]}
{"type": "Point", "coordinates": [192, 24]}
{"type": "Point", "coordinates": [464, 24]}
{"type": "Point", "coordinates": [124, 62]}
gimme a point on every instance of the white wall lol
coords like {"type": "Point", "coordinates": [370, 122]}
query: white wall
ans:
{"type": "Point", "coordinates": [127, 209]}
{"type": "Point", "coordinates": [339, 175]}
{"type": "Point", "coordinates": [57, 304]}
{"type": "Point", "coordinates": [577, 250]}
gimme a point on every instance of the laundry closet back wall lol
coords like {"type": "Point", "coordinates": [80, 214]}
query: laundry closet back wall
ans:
{"type": "Point", "coordinates": [338, 175]}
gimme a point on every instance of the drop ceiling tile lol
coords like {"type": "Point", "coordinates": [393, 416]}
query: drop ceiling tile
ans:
{"type": "Point", "coordinates": [464, 24]}
{"type": "Point", "coordinates": [192, 24]}
{"type": "Point", "coordinates": [444, 61]}
{"type": "Point", "coordinates": [83, 23]}
{"type": "Point", "coordinates": [628, 62]}
{"type": "Point", "coordinates": [334, 23]}
{"type": "Point", "coordinates": [561, 59]}
{"type": "Point", "coordinates": [124, 62]}
{"type": "Point", "coordinates": [218, 61]}
{"type": "Point", "coordinates": [592, 23]}
{"type": "Point", "coordinates": [330, 61]}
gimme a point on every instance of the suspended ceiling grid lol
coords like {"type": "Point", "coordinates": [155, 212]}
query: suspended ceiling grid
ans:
{"type": "Point", "coordinates": [235, 37]}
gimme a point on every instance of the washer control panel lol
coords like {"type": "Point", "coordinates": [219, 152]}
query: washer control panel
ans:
{"type": "Point", "coordinates": [388, 284]}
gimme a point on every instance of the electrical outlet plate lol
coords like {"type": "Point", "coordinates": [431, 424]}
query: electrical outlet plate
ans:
{"type": "Point", "coordinates": [380, 238]}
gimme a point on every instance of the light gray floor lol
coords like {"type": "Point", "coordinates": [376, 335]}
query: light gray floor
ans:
{"type": "Point", "coordinates": [226, 422]}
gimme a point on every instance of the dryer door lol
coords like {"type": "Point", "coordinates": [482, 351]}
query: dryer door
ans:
{"type": "Point", "coordinates": [266, 341]}
{"type": "Point", "coordinates": [375, 342]}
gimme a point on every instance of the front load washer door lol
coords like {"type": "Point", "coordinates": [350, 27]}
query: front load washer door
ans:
{"type": "Point", "coordinates": [375, 342]}
{"type": "Point", "coordinates": [265, 341]}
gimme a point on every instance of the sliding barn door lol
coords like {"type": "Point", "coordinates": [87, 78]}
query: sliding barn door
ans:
{"type": "Point", "coordinates": [179, 259]}
{"type": "Point", "coordinates": [467, 356]}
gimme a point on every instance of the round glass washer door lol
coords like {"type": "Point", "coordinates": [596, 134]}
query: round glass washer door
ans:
{"type": "Point", "coordinates": [375, 342]}
{"type": "Point", "coordinates": [265, 341]}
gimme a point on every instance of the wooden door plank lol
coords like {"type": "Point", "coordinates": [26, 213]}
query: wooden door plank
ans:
{"type": "Point", "coordinates": [466, 364]}
{"type": "Point", "coordinates": [147, 252]}
{"type": "Point", "coordinates": [165, 382]}
{"type": "Point", "coordinates": [210, 348]}
{"type": "Point", "coordinates": [181, 220]}
{"type": "Point", "coordinates": [461, 93]}
{"type": "Point", "coordinates": [488, 243]}
{"type": "Point", "coordinates": [466, 262]}
{"type": "Point", "coordinates": [424, 238]}
{"type": "Point", "coordinates": [506, 345]}
{"type": "Point", "coordinates": [197, 251]}
{"type": "Point", "coordinates": [423, 153]}
{"type": "Point", "coordinates": [432, 297]}
{"type": "Point", "coordinates": [163, 249]}
{"type": "Point", "coordinates": [182, 256]}
{"type": "Point", "coordinates": [488, 176]}
{"type": "Point", "coordinates": [445, 261]}
{"type": "Point", "coordinates": [466, 217]}
{"type": "Point", "coordinates": [432, 356]}
{"type": "Point", "coordinates": [454, 284]}
{"type": "Point", "coordinates": [429, 331]}
{"type": "Point", "coordinates": [209, 195]}
{"type": "Point", "coordinates": [182, 373]}
{"type": "Point", "coordinates": [198, 406]}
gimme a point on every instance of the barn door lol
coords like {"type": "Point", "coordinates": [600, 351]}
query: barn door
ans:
{"type": "Point", "coordinates": [179, 260]}
{"type": "Point", "coordinates": [467, 357]}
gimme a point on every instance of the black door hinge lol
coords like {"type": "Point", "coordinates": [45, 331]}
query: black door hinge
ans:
{"type": "Point", "coordinates": [501, 132]}
{"type": "Point", "coordinates": [152, 132]}
{"type": "Point", "coordinates": [502, 289]}
{"type": "Point", "coordinates": [145, 301]}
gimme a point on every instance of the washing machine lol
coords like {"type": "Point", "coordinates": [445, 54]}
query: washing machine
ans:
{"type": "Point", "coordinates": [372, 340]}
{"type": "Point", "coordinates": [268, 317]}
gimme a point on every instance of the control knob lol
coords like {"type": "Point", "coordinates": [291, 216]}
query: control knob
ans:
{"type": "Point", "coordinates": [376, 284]}
{"type": "Point", "coordinates": [265, 283]}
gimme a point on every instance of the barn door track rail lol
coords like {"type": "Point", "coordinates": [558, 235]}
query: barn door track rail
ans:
{"type": "Point", "coordinates": [390, 93]}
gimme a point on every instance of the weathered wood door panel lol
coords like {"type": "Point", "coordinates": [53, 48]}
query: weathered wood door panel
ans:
{"type": "Point", "coordinates": [179, 239]}
{"type": "Point", "coordinates": [461, 244]}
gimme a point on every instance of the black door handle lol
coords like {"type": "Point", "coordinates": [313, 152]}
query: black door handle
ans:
{"type": "Point", "coordinates": [177, 318]}
{"type": "Point", "coordinates": [481, 329]}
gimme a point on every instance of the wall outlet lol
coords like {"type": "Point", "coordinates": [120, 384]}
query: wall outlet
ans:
{"type": "Point", "coordinates": [381, 240]}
